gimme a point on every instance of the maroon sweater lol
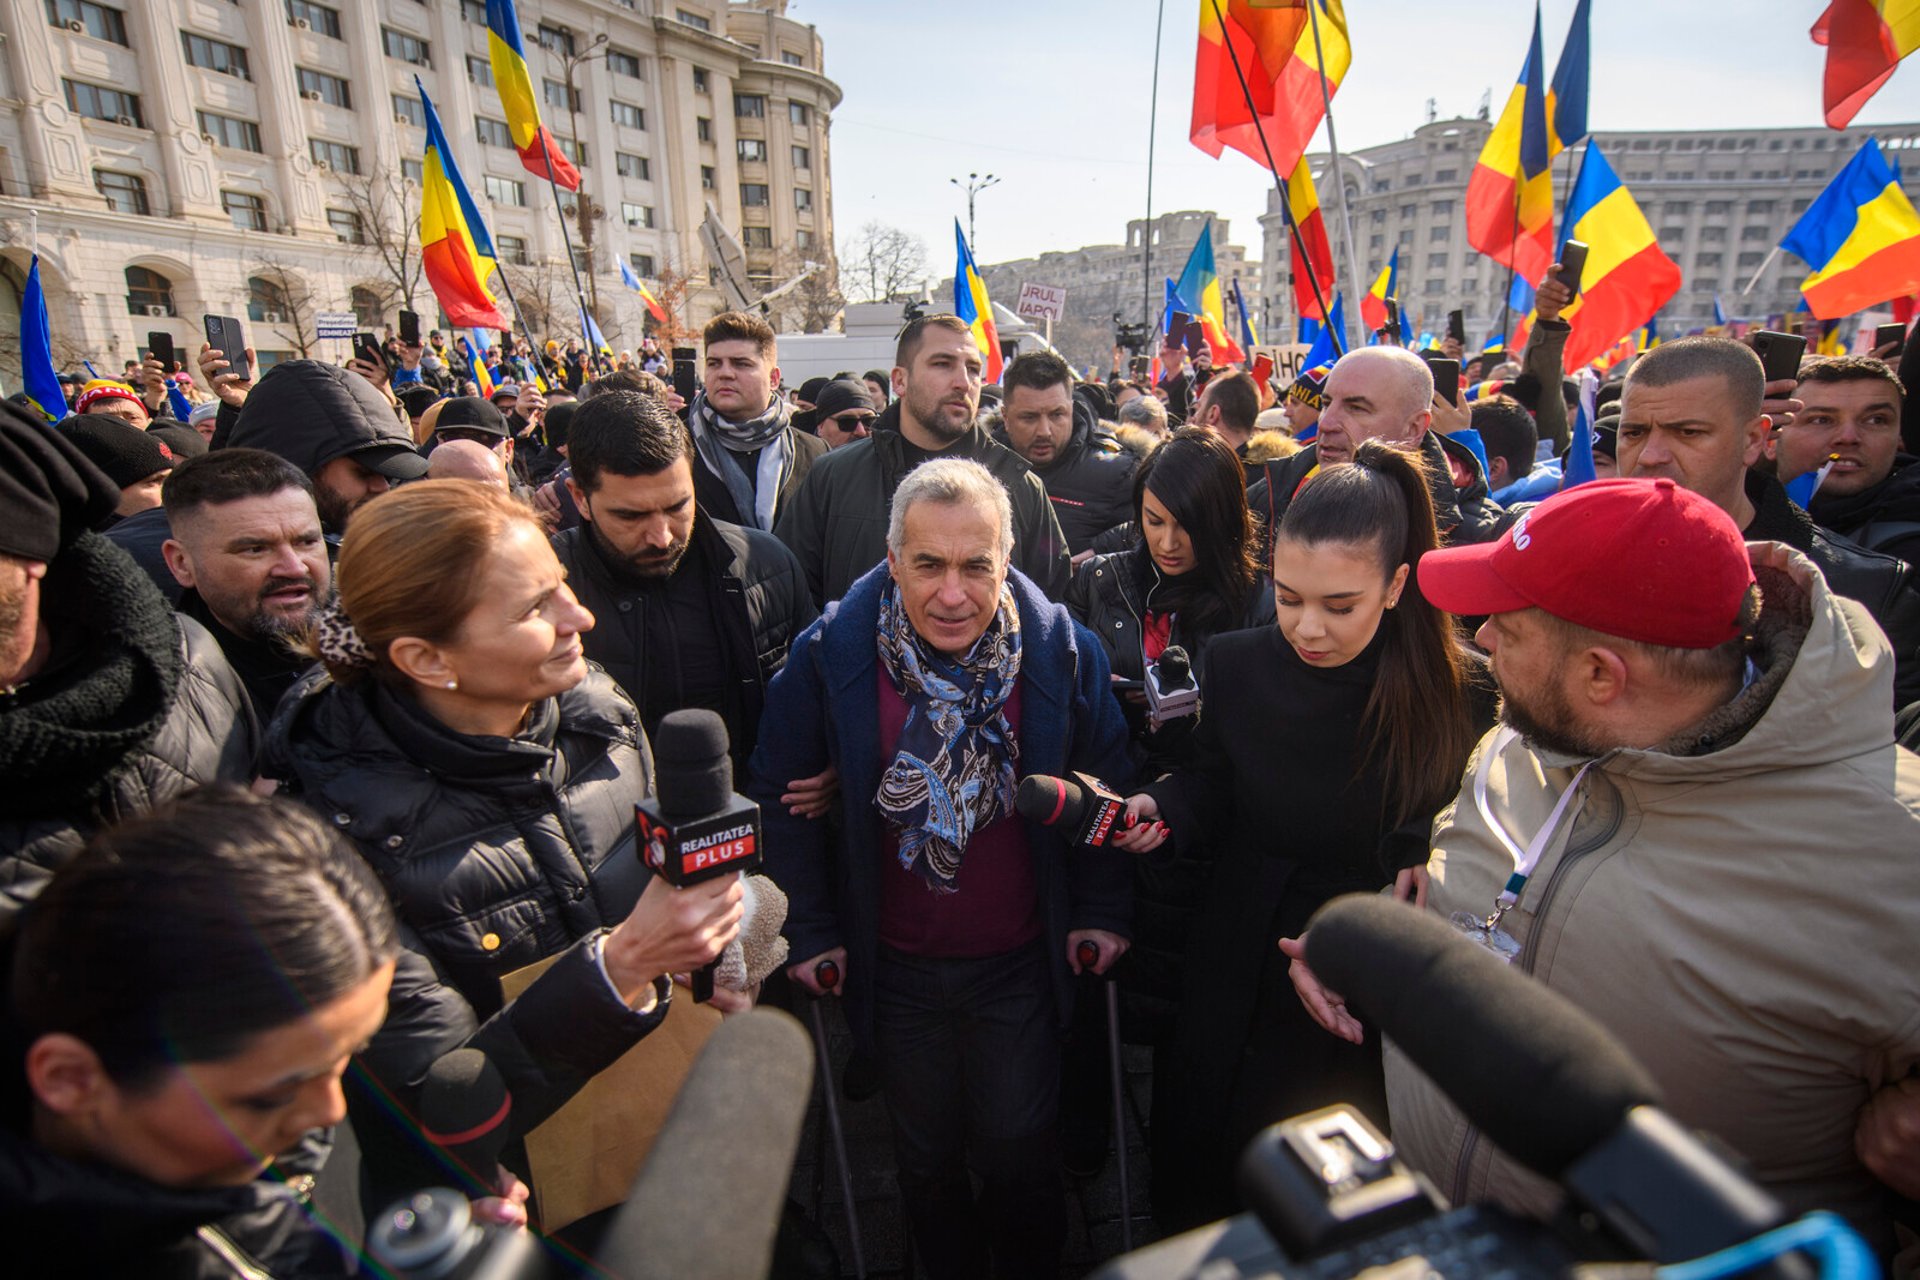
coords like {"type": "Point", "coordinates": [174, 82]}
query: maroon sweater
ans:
{"type": "Point", "coordinates": [993, 909]}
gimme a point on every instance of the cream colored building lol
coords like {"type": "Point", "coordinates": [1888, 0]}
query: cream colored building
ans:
{"type": "Point", "coordinates": [260, 158]}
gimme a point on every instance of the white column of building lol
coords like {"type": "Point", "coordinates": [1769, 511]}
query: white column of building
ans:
{"type": "Point", "coordinates": [282, 122]}
{"type": "Point", "coordinates": [168, 105]}
{"type": "Point", "coordinates": [53, 138]}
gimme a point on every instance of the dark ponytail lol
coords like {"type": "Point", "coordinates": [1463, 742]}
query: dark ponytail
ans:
{"type": "Point", "coordinates": [1420, 728]}
{"type": "Point", "coordinates": [179, 936]}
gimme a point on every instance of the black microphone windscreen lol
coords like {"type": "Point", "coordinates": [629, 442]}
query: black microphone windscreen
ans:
{"type": "Point", "coordinates": [708, 1200]}
{"type": "Point", "coordinates": [1051, 801]}
{"type": "Point", "coordinates": [691, 762]}
{"type": "Point", "coordinates": [1174, 664]}
{"type": "Point", "coordinates": [464, 1107]}
{"type": "Point", "coordinates": [1542, 1079]}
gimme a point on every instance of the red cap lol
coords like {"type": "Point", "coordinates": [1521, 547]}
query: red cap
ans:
{"type": "Point", "coordinates": [1643, 560]}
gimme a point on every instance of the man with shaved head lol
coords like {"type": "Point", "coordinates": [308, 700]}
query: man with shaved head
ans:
{"type": "Point", "coordinates": [1386, 394]}
{"type": "Point", "coordinates": [466, 460]}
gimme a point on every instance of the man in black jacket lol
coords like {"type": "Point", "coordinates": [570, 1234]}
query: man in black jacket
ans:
{"type": "Point", "coordinates": [750, 458]}
{"type": "Point", "coordinates": [837, 523]}
{"type": "Point", "coordinates": [689, 611]}
{"type": "Point", "coordinates": [1089, 477]}
{"type": "Point", "coordinates": [1690, 411]}
{"type": "Point", "coordinates": [1850, 412]}
{"type": "Point", "coordinates": [1384, 393]}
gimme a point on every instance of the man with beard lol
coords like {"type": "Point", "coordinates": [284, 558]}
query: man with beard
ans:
{"type": "Point", "coordinates": [247, 548]}
{"type": "Point", "coordinates": [690, 611]}
{"type": "Point", "coordinates": [337, 429]}
{"type": "Point", "coordinates": [837, 523]}
{"type": "Point", "coordinates": [750, 459]}
{"type": "Point", "coordinates": [1695, 825]}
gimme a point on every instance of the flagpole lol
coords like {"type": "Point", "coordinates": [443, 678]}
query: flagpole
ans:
{"type": "Point", "coordinates": [1333, 149]}
{"type": "Point", "coordinates": [1506, 303]}
{"type": "Point", "coordinates": [566, 238]}
{"type": "Point", "coordinates": [1153, 125]}
{"type": "Point", "coordinates": [1762, 271]}
{"type": "Point", "coordinates": [1280, 184]}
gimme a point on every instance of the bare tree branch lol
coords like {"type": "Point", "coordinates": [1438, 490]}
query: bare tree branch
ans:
{"type": "Point", "coordinates": [384, 204]}
{"type": "Point", "coordinates": [880, 261]}
{"type": "Point", "coordinates": [293, 305]}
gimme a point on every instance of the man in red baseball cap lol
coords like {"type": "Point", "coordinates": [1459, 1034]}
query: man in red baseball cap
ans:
{"type": "Point", "coordinates": [1695, 824]}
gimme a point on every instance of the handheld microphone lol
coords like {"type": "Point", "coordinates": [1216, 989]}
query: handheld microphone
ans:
{"type": "Point", "coordinates": [1544, 1081]}
{"type": "Point", "coordinates": [1082, 806]}
{"type": "Point", "coordinates": [707, 1202]}
{"type": "Point", "coordinates": [1171, 690]}
{"type": "Point", "coordinates": [464, 1106]}
{"type": "Point", "coordinates": [695, 827]}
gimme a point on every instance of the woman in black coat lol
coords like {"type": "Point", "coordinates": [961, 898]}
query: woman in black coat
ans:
{"type": "Point", "coordinates": [488, 774]}
{"type": "Point", "coordinates": [1321, 736]}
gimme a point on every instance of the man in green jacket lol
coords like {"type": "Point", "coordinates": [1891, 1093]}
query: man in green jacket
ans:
{"type": "Point", "coordinates": [837, 523]}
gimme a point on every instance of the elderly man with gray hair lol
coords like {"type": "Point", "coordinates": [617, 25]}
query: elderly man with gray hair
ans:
{"type": "Point", "coordinates": [939, 680]}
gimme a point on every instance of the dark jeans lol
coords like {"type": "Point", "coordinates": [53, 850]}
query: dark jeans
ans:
{"type": "Point", "coordinates": [970, 1061]}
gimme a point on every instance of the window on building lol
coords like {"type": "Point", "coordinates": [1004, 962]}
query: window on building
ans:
{"type": "Point", "coordinates": [622, 63]}
{"type": "Point", "coordinates": [555, 39]}
{"type": "Point", "coordinates": [246, 212]}
{"type": "Point", "coordinates": [1701, 261]}
{"type": "Point", "coordinates": [709, 177]}
{"type": "Point", "coordinates": [215, 55]}
{"type": "Point", "coordinates": [1706, 284]}
{"type": "Point", "coordinates": [480, 71]}
{"type": "Point", "coordinates": [243, 135]}
{"type": "Point", "coordinates": [414, 171]}
{"type": "Point", "coordinates": [1679, 208]}
{"type": "Point", "coordinates": [492, 133]}
{"type": "Point", "coordinates": [574, 151]}
{"type": "Point", "coordinates": [636, 215]}
{"type": "Point", "coordinates": [1375, 242]}
{"type": "Point", "coordinates": [1800, 206]}
{"type": "Point", "coordinates": [642, 264]}
{"type": "Point", "coordinates": [753, 195]}
{"type": "Point", "coordinates": [337, 156]}
{"type": "Point", "coordinates": [474, 11]}
{"type": "Point", "coordinates": [406, 107]}
{"type": "Point", "coordinates": [625, 113]}
{"type": "Point", "coordinates": [802, 157]}
{"type": "Point", "coordinates": [582, 261]}
{"type": "Point", "coordinates": [1443, 208]}
{"type": "Point", "coordinates": [1439, 235]}
{"type": "Point", "coordinates": [799, 113]}
{"type": "Point", "coordinates": [406, 48]}
{"type": "Point", "coordinates": [512, 249]}
{"type": "Point", "coordinates": [1437, 261]}
{"type": "Point", "coordinates": [555, 94]}
{"type": "Point", "coordinates": [1759, 206]}
{"type": "Point", "coordinates": [698, 21]}
{"type": "Point", "coordinates": [96, 20]}
{"type": "Point", "coordinates": [1672, 235]}
{"type": "Point", "coordinates": [703, 129]}
{"type": "Point", "coordinates": [701, 82]}
{"type": "Point", "coordinates": [1713, 235]}
{"type": "Point", "coordinates": [96, 103]}
{"type": "Point", "coordinates": [1379, 217]}
{"type": "Point", "coordinates": [1760, 234]}
{"type": "Point", "coordinates": [309, 16]}
{"type": "Point", "coordinates": [1446, 175]}
{"type": "Point", "coordinates": [266, 300]}
{"type": "Point", "coordinates": [628, 165]}
{"type": "Point", "coordinates": [1719, 207]}
{"type": "Point", "coordinates": [147, 289]}
{"type": "Point", "coordinates": [1433, 287]}
{"type": "Point", "coordinates": [802, 199]}
{"type": "Point", "coordinates": [803, 239]}
{"type": "Point", "coordinates": [347, 227]}
{"type": "Point", "coordinates": [506, 190]}
{"type": "Point", "coordinates": [750, 105]}
{"type": "Point", "coordinates": [319, 86]}
{"type": "Point", "coordinates": [750, 150]}
{"type": "Point", "coordinates": [792, 59]}
{"type": "Point", "coordinates": [1409, 211]}
{"type": "Point", "coordinates": [1748, 261]}
{"type": "Point", "coordinates": [757, 237]}
{"type": "Point", "coordinates": [367, 311]}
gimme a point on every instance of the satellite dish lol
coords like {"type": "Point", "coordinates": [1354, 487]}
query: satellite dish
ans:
{"type": "Point", "coordinates": [727, 258]}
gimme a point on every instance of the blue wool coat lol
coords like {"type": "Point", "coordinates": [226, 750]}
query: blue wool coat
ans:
{"type": "Point", "coordinates": [824, 708]}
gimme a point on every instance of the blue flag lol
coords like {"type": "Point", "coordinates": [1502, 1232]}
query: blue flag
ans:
{"type": "Point", "coordinates": [1719, 312]}
{"type": "Point", "coordinates": [39, 378]}
{"type": "Point", "coordinates": [1309, 331]}
{"type": "Point", "coordinates": [177, 401]}
{"type": "Point", "coordinates": [1580, 468]}
{"type": "Point", "coordinates": [1325, 349]}
{"type": "Point", "coordinates": [627, 277]}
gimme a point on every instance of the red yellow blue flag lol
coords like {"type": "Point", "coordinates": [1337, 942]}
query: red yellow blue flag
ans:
{"type": "Point", "coordinates": [455, 249]}
{"type": "Point", "coordinates": [531, 139]}
{"type": "Point", "coordinates": [971, 304]}
{"type": "Point", "coordinates": [1861, 236]}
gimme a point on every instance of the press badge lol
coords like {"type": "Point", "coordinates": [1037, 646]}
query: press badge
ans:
{"type": "Point", "coordinates": [1487, 933]}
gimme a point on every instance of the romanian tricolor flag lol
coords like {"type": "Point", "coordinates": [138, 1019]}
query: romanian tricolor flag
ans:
{"type": "Point", "coordinates": [1200, 285]}
{"type": "Point", "coordinates": [1373, 307]}
{"type": "Point", "coordinates": [454, 246]}
{"type": "Point", "coordinates": [1275, 47]}
{"type": "Point", "coordinates": [971, 304]}
{"type": "Point", "coordinates": [1865, 40]}
{"type": "Point", "coordinates": [482, 376]}
{"type": "Point", "coordinates": [1861, 237]}
{"type": "Point", "coordinates": [633, 282]}
{"type": "Point", "coordinates": [1567, 95]}
{"type": "Point", "coordinates": [1249, 338]}
{"type": "Point", "coordinates": [1303, 206]}
{"type": "Point", "coordinates": [38, 377]}
{"type": "Point", "coordinates": [1510, 195]}
{"type": "Point", "coordinates": [510, 76]}
{"type": "Point", "coordinates": [1627, 278]}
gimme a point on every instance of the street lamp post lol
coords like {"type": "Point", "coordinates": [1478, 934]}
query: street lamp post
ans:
{"type": "Point", "coordinates": [974, 185]}
{"type": "Point", "coordinates": [583, 203]}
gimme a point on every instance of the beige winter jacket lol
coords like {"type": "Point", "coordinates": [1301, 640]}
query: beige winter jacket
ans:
{"type": "Point", "coordinates": [1741, 910]}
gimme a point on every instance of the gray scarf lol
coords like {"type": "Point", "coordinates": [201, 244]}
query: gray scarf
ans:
{"type": "Point", "coordinates": [713, 436]}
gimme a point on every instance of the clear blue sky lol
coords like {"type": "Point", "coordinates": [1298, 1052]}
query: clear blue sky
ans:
{"type": "Point", "coordinates": [1052, 96]}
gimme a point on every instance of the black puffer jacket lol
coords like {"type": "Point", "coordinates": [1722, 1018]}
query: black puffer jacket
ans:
{"type": "Point", "coordinates": [1886, 586]}
{"type": "Point", "coordinates": [837, 524]}
{"type": "Point", "coordinates": [1465, 513]}
{"type": "Point", "coordinates": [1885, 518]}
{"type": "Point", "coordinates": [1090, 484]}
{"type": "Point", "coordinates": [137, 706]}
{"type": "Point", "coordinates": [759, 597]}
{"type": "Point", "coordinates": [497, 853]}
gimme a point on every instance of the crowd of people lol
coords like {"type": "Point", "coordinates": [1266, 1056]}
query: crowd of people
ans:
{"type": "Point", "coordinates": [325, 710]}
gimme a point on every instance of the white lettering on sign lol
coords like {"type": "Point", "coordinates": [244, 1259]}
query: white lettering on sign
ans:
{"type": "Point", "coordinates": [1042, 302]}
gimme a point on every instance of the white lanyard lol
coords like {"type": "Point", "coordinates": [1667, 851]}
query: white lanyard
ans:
{"type": "Point", "coordinates": [1524, 860]}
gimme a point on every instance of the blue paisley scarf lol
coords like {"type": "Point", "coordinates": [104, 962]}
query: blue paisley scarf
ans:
{"type": "Point", "coordinates": [953, 770]}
